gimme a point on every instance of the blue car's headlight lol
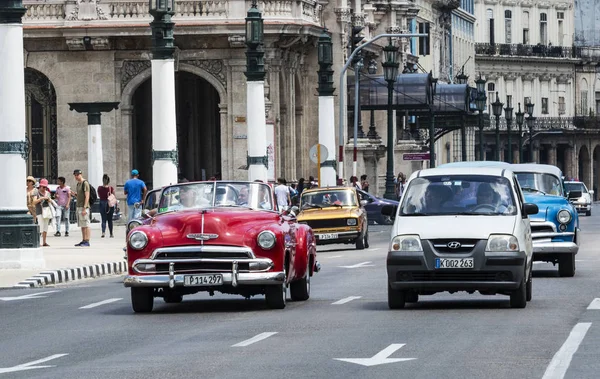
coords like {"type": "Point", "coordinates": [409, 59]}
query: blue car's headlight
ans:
{"type": "Point", "coordinates": [564, 216]}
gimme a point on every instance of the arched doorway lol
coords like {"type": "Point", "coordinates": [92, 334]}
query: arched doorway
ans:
{"type": "Point", "coordinates": [584, 165]}
{"type": "Point", "coordinates": [41, 130]}
{"type": "Point", "coordinates": [198, 128]}
{"type": "Point", "coordinates": [595, 178]}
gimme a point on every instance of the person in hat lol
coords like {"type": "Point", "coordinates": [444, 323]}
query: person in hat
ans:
{"type": "Point", "coordinates": [135, 189]}
{"type": "Point", "coordinates": [32, 192]}
{"type": "Point", "coordinates": [44, 209]}
{"type": "Point", "coordinates": [83, 207]}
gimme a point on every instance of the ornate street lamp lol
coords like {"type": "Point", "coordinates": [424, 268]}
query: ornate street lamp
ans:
{"type": "Point", "coordinates": [530, 121]}
{"type": "Point", "coordinates": [497, 110]}
{"type": "Point", "coordinates": [481, 102]}
{"type": "Point", "coordinates": [257, 159]}
{"type": "Point", "coordinates": [163, 46]}
{"type": "Point", "coordinates": [508, 115]}
{"type": "Point", "coordinates": [326, 109]}
{"type": "Point", "coordinates": [520, 117]}
{"type": "Point", "coordinates": [372, 70]}
{"type": "Point", "coordinates": [390, 73]}
{"type": "Point", "coordinates": [372, 67]}
{"type": "Point", "coordinates": [462, 78]}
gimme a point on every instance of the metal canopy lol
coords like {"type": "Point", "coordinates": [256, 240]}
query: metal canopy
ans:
{"type": "Point", "coordinates": [451, 99]}
{"type": "Point", "coordinates": [412, 92]}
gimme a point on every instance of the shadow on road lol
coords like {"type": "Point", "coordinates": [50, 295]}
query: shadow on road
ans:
{"type": "Point", "coordinates": [545, 273]}
{"type": "Point", "coordinates": [500, 302]}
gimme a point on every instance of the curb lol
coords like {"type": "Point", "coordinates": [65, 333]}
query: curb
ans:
{"type": "Point", "coordinates": [73, 274]}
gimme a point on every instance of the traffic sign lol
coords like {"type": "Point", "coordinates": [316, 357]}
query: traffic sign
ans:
{"type": "Point", "coordinates": [415, 156]}
{"type": "Point", "coordinates": [313, 153]}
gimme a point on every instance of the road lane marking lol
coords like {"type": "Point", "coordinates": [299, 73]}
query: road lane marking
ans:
{"type": "Point", "coordinates": [31, 365]}
{"type": "Point", "coordinates": [330, 257]}
{"type": "Point", "coordinates": [36, 295]}
{"type": "Point", "coordinates": [346, 300]}
{"type": "Point", "coordinates": [358, 265]}
{"type": "Point", "coordinates": [562, 359]}
{"type": "Point", "coordinates": [595, 304]}
{"type": "Point", "coordinates": [108, 301]}
{"type": "Point", "coordinates": [379, 358]}
{"type": "Point", "coordinates": [254, 339]}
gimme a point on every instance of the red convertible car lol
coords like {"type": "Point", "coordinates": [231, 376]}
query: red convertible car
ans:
{"type": "Point", "coordinates": [219, 236]}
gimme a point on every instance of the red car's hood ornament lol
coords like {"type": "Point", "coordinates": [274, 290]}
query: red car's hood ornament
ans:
{"type": "Point", "coordinates": [202, 236]}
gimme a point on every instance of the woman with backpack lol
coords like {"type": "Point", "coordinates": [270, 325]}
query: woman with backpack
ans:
{"type": "Point", "coordinates": [108, 200]}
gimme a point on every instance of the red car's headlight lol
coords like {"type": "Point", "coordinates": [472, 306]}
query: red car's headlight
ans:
{"type": "Point", "coordinates": [138, 240]}
{"type": "Point", "coordinates": [266, 239]}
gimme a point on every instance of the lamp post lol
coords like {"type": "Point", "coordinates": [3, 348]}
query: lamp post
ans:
{"type": "Point", "coordinates": [257, 160]}
{"type": "Point", "coordinates": [326, 108]}
{"type": "Point", "coordinates": [520, 116]}
{"type": "Point", "coordinates": [164, 124]}
{"type": "Point", "coordinates": [480, 103]}
{"type": "Point", "coordinates": [530, 120]}
{"type": "Point", "coordinates": [390, 72]}
{"type": "Point", "coordinates": [508, 115]}
{"type": "Point", "coordinates": [372, 134]}
{"type": "Point", "coordinates": [497, 109]}
{"type": "Point", "coordinates": [20, 242]}
{"type": "Point", "coordinates": [357, 67]}
{"type": "Point", "coordinates": [463, 79]}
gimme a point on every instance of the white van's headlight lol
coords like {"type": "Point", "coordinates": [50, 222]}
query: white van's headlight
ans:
{"type": "Point", "coordinates": [502, 242]}
{"type": "Point", "coordinates": [406, 243]}
{"type": "Point", "coordinates": [266, 239]}
{"type": "Point", "coordinates": [563, 216]}
{"type": "Point", "coordinates": [138, 240]}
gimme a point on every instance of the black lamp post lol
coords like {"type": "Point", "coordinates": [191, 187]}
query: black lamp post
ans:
{"type": "Point", "coordinates": [163, 46]}
{"type": "Point", "coordinates": [255, 65]}
{"type": "Point", "coordinates": [372, 70]}
{"type": "Point", "coordinates": [520, 117]}
{"type": "Point", "coordinates": [325, 55]}
{"type": "Point", "coordinates": [480, 103]}
{"type": "Point", "coordinates": [463, 79]}
{"type": "Point", "coordinates": [508, 115]}
{"type": "Point", "coordinates": [497, 110]}
{"type": "Point", "coordinates": [530, 120]}
{"type": "Point", "coordinates": [390, 72]}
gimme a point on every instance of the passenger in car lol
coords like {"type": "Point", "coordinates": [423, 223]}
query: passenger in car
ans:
{"type": "Point", "coordinates": [435, 197]}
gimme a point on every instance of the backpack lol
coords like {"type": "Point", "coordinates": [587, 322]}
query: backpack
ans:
{"type": "Point", "coordinates": [93, 194]}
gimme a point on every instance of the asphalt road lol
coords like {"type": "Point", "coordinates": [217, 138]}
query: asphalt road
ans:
{"type": "Point", "coordinates": [90, 331]}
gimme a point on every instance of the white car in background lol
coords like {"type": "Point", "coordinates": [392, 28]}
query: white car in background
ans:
{"type": "Point", "coordinates": [584, 203]}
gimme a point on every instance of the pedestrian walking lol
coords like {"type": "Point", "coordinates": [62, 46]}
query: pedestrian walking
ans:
{"type": "Point", "coordinates": [300, 186]}
{"type": "Point", "coordinates": [135, 189]}
{"type": "Point", "coordinates": [354, 182]}
{"type": "Point", "coordinates": [32, 192]}
{"type": "Point", "coordinates": [282, 195]}
{"type": "Point", "coordinates": [83, 207]}
{"type": "Point", "coordinates": [399, 185]}
{"type": "Point", "coordinates": [44, 208]}
{"type": "Point", "coordinates": [108, 201]}
{"type": "Point", "coordinates": [63, 202]}
{"type": "Point", "coordinates": [364, 184]}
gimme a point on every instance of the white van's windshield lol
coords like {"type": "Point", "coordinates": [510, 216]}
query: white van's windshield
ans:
{"type": "Point", "coordinates": [458, 195]}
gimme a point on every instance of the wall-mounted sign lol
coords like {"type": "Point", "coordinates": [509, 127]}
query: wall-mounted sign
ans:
{"type": "Point", "coordinates": [240, 119]}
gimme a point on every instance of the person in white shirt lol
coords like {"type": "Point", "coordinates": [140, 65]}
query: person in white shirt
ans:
{"type": "Point", "coordinates": [282, 195]}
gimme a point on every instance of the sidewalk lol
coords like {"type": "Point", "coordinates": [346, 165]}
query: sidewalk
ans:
{"type": "Point", "coordinates": [103, 257]}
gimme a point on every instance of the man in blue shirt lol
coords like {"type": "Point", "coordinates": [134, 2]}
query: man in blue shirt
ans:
{"type": "Point", "coordinates": [135, 189]}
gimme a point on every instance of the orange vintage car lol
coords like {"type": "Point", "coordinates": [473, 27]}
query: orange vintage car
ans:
{"type": "Point", "coordinates": [219, 236]}
{"type": "Point", "coordinates": [336, 215]}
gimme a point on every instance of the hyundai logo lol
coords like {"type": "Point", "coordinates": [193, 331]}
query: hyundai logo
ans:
{"type": "Point", "coordinates": [453, 245]}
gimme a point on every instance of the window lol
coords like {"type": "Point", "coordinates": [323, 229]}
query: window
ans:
{"type": "Point", "coordinates": [508, 101]}
{"type": "Point", "coordinates": [527, 100]}
{"type": "Point", "coordinates": [491, 87]}
{"type": "Point", "coordinates": [560, 15]}
{"type": "Point", "coordinates": [561, 105]}
{"type": "Point", "coordinates": [543, 29]}
{"type": "Point", "coordinates": [525, 28]}
{"type": "Point", "coordinates": [561, 33]}
{"type": "Point", "coordinates": [544, 105]}
{"type": "Point", "coordinates": [597, 103]}
{"type": "Point", "coordinates": [584, 103]}
{"type": "Point", "coordinates": [489, 28]}
{"type": "Point", "coordinates": [508, 25]}
{"type": "Point", "coordinates": [424, 42]}
{"type": "Point", "coordinates": [491, 96]}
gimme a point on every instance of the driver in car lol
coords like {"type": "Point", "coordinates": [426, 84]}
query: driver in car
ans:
{"type": "Point", "coordinates": [488, 198]}
{"type": "Point", "coordinates": [243, 197]}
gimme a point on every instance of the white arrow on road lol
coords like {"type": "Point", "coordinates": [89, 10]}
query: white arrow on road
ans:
{"type": "Point", "coordinates": [36, 295]}
{"type": "Point", "coordinates": [362, 264]}
{"type": "Point", "coordinates": [595, 304]}
{"type": "Point", "coordinates": [31, 365]}
{"type": "Point", "coordinates": [379, 358]}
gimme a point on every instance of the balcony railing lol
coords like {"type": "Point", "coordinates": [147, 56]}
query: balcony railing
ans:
{"type": "Point", "coordinates": [519, 50]}
{"type": "Point", "coordinates": [547, 123]}
{"type": "Point", "coordinates": [60, 12]}
{"type": "Point", "coordinates": [590, 53]}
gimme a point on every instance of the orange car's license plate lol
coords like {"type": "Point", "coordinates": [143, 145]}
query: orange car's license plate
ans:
{"type": "Point", "coordinates": [203, 280]}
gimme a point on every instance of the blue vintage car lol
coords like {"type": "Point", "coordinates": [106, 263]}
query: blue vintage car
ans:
{"type": "Point", "coordinates": [555, 228]}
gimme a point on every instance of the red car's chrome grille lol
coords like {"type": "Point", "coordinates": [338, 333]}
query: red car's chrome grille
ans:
{"type": "Point", "coordinates": [203, 252]}
{"type": "Point", "coordinates": [181, 267]}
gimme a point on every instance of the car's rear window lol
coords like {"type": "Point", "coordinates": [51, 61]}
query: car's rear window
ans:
{"type": "Point", "coordinates": [458, 195]}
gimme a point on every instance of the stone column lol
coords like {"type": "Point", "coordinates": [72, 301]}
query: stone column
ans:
{"type": "Point", "coordinates": [552, 153]}
{"type": "Point", "coordinates": [95, 154]}
{"type": "Point", "coordinates": [570, 170]}
{"type": "Point", "coordinates": [19, 242]}
{"type": "Point", "coordinates": [326, 110]}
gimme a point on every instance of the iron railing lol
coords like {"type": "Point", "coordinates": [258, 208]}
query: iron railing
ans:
{"type": "Point", "coordinates": [520, 50]}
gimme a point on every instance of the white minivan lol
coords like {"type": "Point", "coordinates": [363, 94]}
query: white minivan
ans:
{"type": "Point", "coordinates": [460, 229]}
